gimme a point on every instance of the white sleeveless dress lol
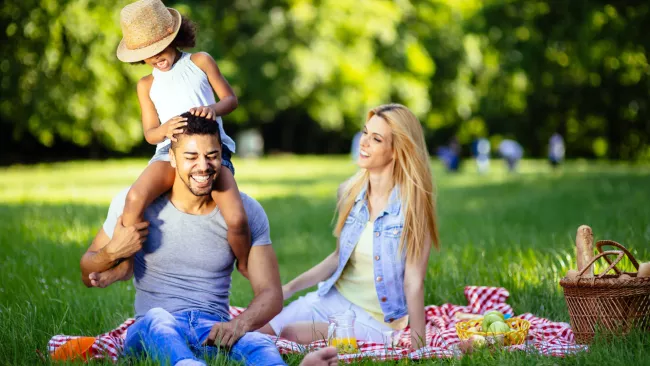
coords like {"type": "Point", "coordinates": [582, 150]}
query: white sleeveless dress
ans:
{"type": "Point", "coordinates": [175, 91]}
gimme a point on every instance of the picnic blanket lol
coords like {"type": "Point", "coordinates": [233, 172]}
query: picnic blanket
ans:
{"type": "Point", "coordinates": [544, 337]}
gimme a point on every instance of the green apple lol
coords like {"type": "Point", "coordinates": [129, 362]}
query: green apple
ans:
{"type": "Point", "coordinates": [496, 312]}
{"type": "Point", "coordinates": [489, 319]}
{"type": "Point", "coordinates": [498, 327]}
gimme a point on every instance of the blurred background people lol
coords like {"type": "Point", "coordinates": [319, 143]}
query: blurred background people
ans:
{"type": "Point", "coordinates": [511, 151]}
{"type": "Point", "coordinates": [482, 155]}
{"type": "Point", "coordinates": [450, 155]}
{"type": "Point", "coordinates": [556, 150]}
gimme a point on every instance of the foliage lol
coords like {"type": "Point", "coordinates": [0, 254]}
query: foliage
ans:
{"type": "Point", "coordinates": [502, 68]}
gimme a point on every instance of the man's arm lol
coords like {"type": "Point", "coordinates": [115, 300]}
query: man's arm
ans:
{"type": "Point", "coordinates": [104, 252]}
{"type": "Point", "coordinates": [264, 277]}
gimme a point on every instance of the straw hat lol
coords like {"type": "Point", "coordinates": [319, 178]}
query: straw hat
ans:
{"type": "Point", "coordinates": [148, 27]}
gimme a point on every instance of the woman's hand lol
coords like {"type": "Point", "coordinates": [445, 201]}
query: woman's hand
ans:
{"type": "Point", "coordinates": [174, 127]}
{"type": "Point", "coordinates": [206, 111]}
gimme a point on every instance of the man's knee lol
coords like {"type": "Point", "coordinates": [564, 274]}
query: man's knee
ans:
{"type": "Point", "coordinates": [158, 317]}
{"type": "Point", "coordinates": [254, 340]}
{"type": "Point", "coordinates": [255, 348]}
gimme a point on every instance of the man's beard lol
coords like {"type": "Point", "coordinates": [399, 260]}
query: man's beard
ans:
{"type": "Point", "coordinates": [203, 191]}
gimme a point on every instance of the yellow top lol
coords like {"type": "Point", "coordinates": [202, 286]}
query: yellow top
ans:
{"type": "Point", "coordinates": [357, 282]}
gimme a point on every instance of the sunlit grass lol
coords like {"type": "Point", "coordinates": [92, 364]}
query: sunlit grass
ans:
{"type": "Point", "coordinates": [510, 230]}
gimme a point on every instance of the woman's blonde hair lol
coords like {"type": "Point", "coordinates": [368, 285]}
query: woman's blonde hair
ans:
{"type": "Point", "coordinates": [411, 172]}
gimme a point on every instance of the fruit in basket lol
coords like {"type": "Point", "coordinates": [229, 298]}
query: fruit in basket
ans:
{"type": "Point", "coordinates": [495, 312]}
{"type": "Point", "coordinates": [478, 341]}
{"type": "Point", "coordinates": [495, 340]}
{"type": "Point", "coordinates": [474, 329]}
{"type": "Point", "coordinates": [498, 327]}
{"type": "Point", "coordinates": [489, 319]}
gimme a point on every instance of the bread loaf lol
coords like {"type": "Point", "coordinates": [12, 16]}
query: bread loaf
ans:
{"type": "Point", "coordinates": [585, 249]}
{"type": "Point", "coordinates": [644, 270]}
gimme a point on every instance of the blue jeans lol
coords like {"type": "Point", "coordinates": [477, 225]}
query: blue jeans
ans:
{"type": "Point", "coordinates": [167, 337]}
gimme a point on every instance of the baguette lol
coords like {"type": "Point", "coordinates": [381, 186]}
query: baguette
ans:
{"type": "Point", "coordinates": [585, 249]}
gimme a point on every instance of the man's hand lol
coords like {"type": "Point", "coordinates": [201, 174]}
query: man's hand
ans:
{"type": "Point", "coordinates": [127, 240]}
{"type": "Point", "coordinates": [121, 272]}
{"type": "Point", "coordinates": [206, 111]}
{"type": "Point", "coordinates": [226, 334]}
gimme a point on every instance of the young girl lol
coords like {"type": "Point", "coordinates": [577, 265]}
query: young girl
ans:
{"type": "Point", "coordinates": [179, 82]}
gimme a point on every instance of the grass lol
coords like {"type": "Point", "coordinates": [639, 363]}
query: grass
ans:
{"type": "Point", "coordinates": [514, 231]}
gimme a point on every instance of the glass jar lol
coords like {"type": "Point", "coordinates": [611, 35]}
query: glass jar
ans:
{"type": "Point", "coordinates": [340, 332]}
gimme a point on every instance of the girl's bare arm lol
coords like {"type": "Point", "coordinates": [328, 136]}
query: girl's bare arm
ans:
{"type": "Point", "coordinates": [227, 98]}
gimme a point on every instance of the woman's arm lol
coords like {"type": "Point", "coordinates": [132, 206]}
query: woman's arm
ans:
{"type": "Point", "coordinates": [313, 276]}
{"type": "Point", "coordinates": [414, 275]}
{"type": "Point", "coordinates": [227, 98]}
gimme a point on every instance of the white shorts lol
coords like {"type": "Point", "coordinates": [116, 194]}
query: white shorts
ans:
{"type": "Point", "coordinates": [313, 308]}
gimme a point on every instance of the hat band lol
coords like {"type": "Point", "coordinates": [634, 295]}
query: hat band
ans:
{"type": "Point", "coordinates": [149, 42]}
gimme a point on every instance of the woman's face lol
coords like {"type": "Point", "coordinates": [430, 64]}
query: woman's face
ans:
{"type": "Point", "coordinates": [375, 145]}
{"type": "Point", "coordinates": [164, 60]}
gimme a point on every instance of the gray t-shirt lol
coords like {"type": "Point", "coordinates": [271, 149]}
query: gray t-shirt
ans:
{"type": "Point", "coordinates": [186, 262]}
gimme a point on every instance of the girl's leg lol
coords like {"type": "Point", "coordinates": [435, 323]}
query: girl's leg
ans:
{"type": "Point", "coordinates": [122, 272]}
{"type": "Point", "coordinates": [156, 179]}
{"type": "Point", "coordinates": [226, 195]}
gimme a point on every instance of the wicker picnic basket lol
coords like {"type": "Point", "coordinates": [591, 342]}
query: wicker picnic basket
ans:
{"type": "Point", "coordinates": [607, 303]}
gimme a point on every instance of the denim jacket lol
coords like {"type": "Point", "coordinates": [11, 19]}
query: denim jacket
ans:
{"type": "Point", "coordinates": [389, 262]}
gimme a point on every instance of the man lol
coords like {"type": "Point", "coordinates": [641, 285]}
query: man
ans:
{"type": "Point", "coordinates": [183, 268]}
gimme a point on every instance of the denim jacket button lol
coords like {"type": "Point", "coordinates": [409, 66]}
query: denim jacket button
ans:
{"type": "Point", "coordinates": [378, 278]}
{"type": "Point", "coordinates": [376, 257]}
{"type": "Point", "coordinates": [395, 231]}
{"type": "Point", "coordinates": [377, 233]}
{"type": "Point", "coordinates": [383, 299]}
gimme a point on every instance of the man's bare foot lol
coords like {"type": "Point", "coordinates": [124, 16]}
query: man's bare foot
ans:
{"type": "Point", "coordinates": [121, 272]}
{"type": "Point", "coordinates": [323, 357]}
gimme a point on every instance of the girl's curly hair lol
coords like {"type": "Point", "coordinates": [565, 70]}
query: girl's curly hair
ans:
{"type": "Point", "coordinates": [185, 38]}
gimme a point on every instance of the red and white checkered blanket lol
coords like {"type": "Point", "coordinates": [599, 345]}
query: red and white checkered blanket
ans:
{"type": "Point", "coordinates": [544, 337]}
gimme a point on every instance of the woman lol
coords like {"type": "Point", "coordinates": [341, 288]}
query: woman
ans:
{"type": "Point", "coordinates": [385, 227]}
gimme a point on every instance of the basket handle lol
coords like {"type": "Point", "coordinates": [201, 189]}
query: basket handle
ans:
{"type": "Point", "coordinates": [604, 254]}
{"type": "Point", "coordinates": [602, 243]}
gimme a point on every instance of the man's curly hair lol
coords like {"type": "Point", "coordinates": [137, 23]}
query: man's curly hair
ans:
{"type": "Point", "coordinates": [198, 126]}
{"type": "Point", "coordinates": [185, 38]}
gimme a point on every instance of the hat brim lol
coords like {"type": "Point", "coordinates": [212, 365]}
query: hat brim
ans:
{"type": "Point", "coordinates": [125, 54]}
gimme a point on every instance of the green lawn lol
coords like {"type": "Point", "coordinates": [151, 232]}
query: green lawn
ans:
{"type": "Point", "coordinates": [514, 231]}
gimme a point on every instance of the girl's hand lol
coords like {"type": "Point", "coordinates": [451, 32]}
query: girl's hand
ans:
{"type": "Point", "coordinates": [175, 126]}
{"type": "Point", "coordinates": [205, 111]}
